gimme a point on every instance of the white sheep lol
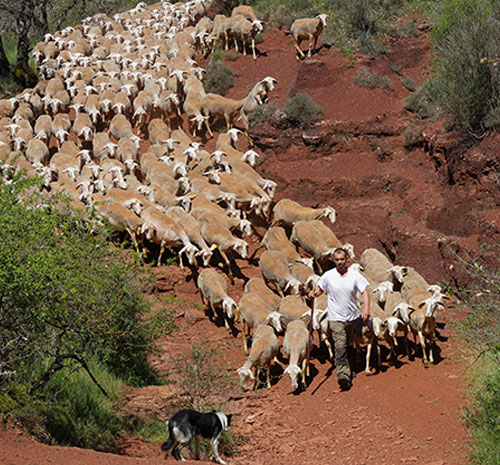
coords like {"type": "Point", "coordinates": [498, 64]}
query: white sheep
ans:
{"type": "Point", "coordinates": [297, 343]}
{"type": "Point", "coordinates": [254, 311]}
{"type": "Point", "coordinates": [166, 232]}
{"type": "Point", "coordinates": [276, 239]}
{"type": "Point", "coordinates": [214, 289]}
{"type": "Point", "coordinates": [290, 212]}
{"type": "Point", "coordinates": [307, 28]}
{"type": "Point", "coordinates": [274, 267]}
{"type": "Point", "coordinates": [265, 348]}
{"type": "Point", "coordinates": [244, 29]}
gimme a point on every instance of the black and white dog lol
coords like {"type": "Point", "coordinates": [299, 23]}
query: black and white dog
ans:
{"type": "Point", "coordinates": [186, 424]}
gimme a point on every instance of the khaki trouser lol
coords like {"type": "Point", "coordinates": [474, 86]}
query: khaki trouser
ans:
{"type": "Point", "coordinates": [343, 333]}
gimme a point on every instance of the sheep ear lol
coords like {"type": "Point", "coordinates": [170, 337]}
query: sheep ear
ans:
{"type": "Point", "coordinates": [421, 304]}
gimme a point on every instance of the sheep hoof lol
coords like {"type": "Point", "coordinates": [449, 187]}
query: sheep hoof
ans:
{"type": "Point", "coordinates": [368, 373]}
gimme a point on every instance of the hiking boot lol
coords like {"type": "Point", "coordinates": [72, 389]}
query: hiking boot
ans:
{"type": "Point", "coordinates": [344, 383]}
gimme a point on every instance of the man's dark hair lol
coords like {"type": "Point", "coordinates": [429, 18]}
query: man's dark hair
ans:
{"type": "Point", "coordinates": [340, 250]}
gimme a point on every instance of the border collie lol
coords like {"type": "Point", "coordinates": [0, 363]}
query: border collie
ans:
{"type": "Point", "coordinates": [183, 425]}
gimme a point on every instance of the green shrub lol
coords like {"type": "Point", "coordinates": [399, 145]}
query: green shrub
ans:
{"type": "Point", "coordinates": [262, 114]}
{"type": "Point", "coordinates": [202, 375]}
{"type": "Point", "coordinates": [218, 78]}
{"type": "Point", "coordinates": [467, 47]}
{"type": "Point", "coordinates": [365, 78]}
{"type": "Point", "coordinates": [76, 413]}
{"type": "Point", "coordinates": [412, 136]}
{"type": "Point", "coordinates": [302, 110]}
{"type": "Point", "coordinates": [68, 296]}
{"type": "Point", "coordinates": [421, 102]}
{"type": "Point", "coordinates": [408, 83]}
{"type": "Point", "coordinates": [482, 415]}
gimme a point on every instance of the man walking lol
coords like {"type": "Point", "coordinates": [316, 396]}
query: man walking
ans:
{"type": "Point", "coordinates": [341, 284]}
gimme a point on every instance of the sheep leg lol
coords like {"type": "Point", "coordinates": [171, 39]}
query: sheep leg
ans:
{"type": "Point", "coordinates": [406, 342]}
{"type": "Point", "coordinates": [244, 47]}
{"type": "Point", "coordinates": [422, 344]}
{"type": "Point", "coordinates": [197, 447]}
{"type": "Point", "coordinates": [207, 125]}
{"type": "Point", "coordinates": [368, 355]}
{"type": "Point", "coordinates": [379, 360]}
{"type": "Point", "coordinates": [253, 49]}
{"type": "Point", "coordinates": [181, 265]}
{"type": "Point", "coordinates": [226, 41]}
{"type": "Point", "coordinates": [304, 372]}
{"type": "Point", "coordinates": [431, 348]}
{"type": "Point", "coordinates": [244, 335]}
{"type": "Point", "coordinates": [162, 249]}
{"type": "Point", "coordinates": [268, 377]}
{"type": "Point", "coordinates": [256, 378]}
{"type": "Point", "coordinates": [328, 345]}
{"type": "Point", "coordinates": [310, 46]}
{"type": "Point", "coordinates": [301, 54]}
{"type": "Point", "coordinates": [236, 45]}
{"type": "Point", "coordinates": [228, 121]}
{"type": "Point", "coordinates": [226, 260]}
{"type": "Point", "coordinates": [316, 42]}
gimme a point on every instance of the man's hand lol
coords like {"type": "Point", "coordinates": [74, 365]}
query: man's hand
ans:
{"type": "Point", "coordinates": [366, 314]}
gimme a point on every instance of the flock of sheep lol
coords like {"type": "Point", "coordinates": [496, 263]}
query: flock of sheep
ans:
{"type": "Point", "coordinates": [104, 125]}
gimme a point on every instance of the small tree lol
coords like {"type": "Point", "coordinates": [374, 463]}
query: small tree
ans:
{"type": "Point", "coordinates": [202, 375]}
{"type": "Point", "coordinates": [302, 110]}
{"type": "Point", "coordinates": [66, 295]}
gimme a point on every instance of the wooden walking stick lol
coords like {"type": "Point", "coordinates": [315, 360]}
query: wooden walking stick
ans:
{"type": "Point", "coordinates": [308, 351]}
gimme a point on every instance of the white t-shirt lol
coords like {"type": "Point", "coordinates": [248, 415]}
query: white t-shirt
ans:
{"type": "Point", "coordinates": [341, 291]}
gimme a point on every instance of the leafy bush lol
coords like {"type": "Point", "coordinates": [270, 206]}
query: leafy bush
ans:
{"type": "Point", "coordinates": [68, 296]}
{"type": "Point", "coordinates": [302, 110]}
{"type": "Point", "coordinates": [218, 77]}
{"type": "Point", "coordinates": [412, 136]}
{"type": "Point", "coordinates": [467, 47]}
{"type": "Point", "coordinates": [202, 375]}
{"type": "Point", "coordinates": [481, 331]}
{"type": "Point", "coordinates": [365, 78]}
{"type": "Point", "coordinates": [261, 114]}
{"type": "Point", "coordinates": [482, 415]}
{"type": "Point", "coordinates": [408, 83]}
{"type": "Point", "coordinates": [422, 102]}
{"type": "Point", "coordinates": [75, 413]}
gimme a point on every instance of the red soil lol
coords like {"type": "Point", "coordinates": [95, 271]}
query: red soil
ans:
{"type": "Point", "coordinates": [394, 199]}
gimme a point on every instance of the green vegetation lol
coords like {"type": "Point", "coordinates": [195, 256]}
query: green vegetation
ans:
{"type": "Point", "coordinates": [218, 77]}
{"type": "Point", "coordinates": [482, 415]}
{"type": "Point", "coordinates": [365, 78]}
{"type": "Point", "coordinates": [262, 114]}
{"type": "Point", "coordinates": [481, 331]}
{"type": "Point", "coordinates": [412, 136]}
{"type": "Point", "coordinates": [73, 321]}
{"type": "Point", "coordinates": [202, 376]}
{"type": "Point", "coordinates": [467, 47]}
{"type": "Point", "coordinates": [302, 110]}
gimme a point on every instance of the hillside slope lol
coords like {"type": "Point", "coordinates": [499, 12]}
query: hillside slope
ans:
{"type": "Point", "coordinates": [396, 200]}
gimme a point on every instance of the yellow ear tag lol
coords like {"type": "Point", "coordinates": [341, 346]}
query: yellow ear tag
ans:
{"type": "Point", "coordinates": [213, 247]}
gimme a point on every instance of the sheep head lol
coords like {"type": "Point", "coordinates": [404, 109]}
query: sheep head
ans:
{"type": "Point", "coordinates": [399, 272]}
{"type": "Point", "coordinates": [403, 311]}
{"type": "Point", "coordinates": [322, 17]}
{"type": "Point", "coordinates": [244, 373]}
{"type": "Point", "coordinates": [227, 306]}
{"type": "Point", "coordinates": [241, 247]}
{"type": "Point", "coordinates": [382, 289]}
{"type": "Point", "coordinates": [393, 324]}
{"type": "Point", "coordinates": [293, 371]}
{"type": "Point", "coordinates": [274, 320]}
